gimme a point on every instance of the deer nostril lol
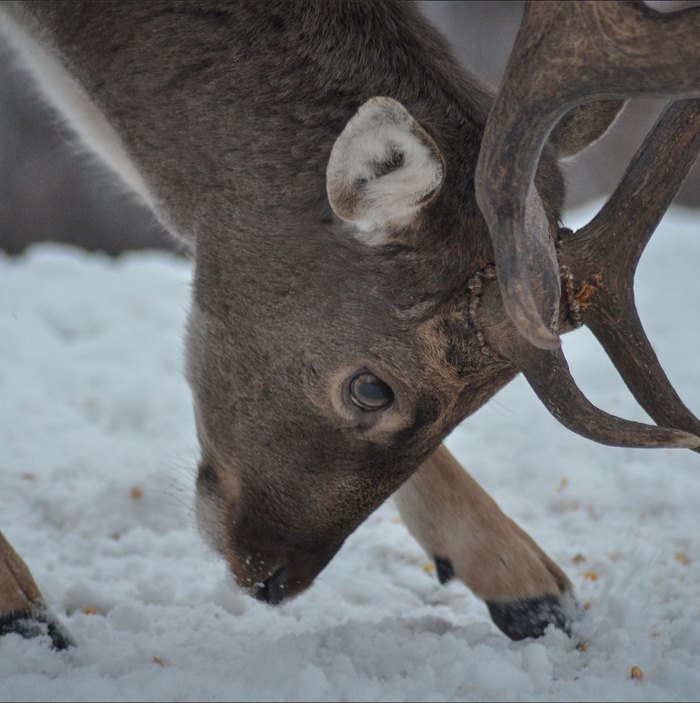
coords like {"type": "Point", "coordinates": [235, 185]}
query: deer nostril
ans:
{"type": "Point", "coordinates": [274, 590]}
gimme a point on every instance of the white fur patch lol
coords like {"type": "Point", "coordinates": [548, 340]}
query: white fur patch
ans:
{"type": "Point", "coordinates": [369, 233]}
{"type": "Point", "coordinates": [383, 168]}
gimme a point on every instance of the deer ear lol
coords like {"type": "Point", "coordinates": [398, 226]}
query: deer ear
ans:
{"type": "Point", "coordinates": [383, 168]}
{"type": "Point", "coordinates": [583, 126]}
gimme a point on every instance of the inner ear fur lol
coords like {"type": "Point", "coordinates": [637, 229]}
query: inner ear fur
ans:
{"type": "Point", "coordinates": [583, 126]}
{"type": "Point", "coordinates": [384, 167]}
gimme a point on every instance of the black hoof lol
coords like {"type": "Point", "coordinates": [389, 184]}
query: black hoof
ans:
{"type": "Point", "coordinates": [34, 625]}
{"type": "Point", "coordinates": [530, 618]}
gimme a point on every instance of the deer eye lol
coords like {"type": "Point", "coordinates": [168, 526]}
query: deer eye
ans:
{"type": "Point", "coordinates": [369, 392]}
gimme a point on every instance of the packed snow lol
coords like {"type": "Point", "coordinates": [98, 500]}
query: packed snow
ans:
{"type": "Point", "coordinates": [97, 457]}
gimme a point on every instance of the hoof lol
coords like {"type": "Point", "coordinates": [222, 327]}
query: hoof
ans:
{"type": "Point", "coordinates": [530, 617]}
{"type": "Point", "coordinates": [34, 625]}
{"type": "Point", "coordinates": [22, 608]}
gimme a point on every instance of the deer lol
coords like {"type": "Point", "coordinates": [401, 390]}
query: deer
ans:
{"type": "Point", "coordinates": [378, 249]}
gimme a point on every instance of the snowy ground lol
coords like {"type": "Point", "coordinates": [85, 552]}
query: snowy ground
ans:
{"type": "Point", "coordinates": [96, 464]}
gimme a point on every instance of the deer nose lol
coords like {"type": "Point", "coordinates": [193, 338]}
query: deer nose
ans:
{"type": "Point", "coordinates": [275, 588]}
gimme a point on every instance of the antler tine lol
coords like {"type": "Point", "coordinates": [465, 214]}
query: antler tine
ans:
{"type": "Point", "coordinates": [621, 50]}
{"type": "Point", "coordinates": [548, 374]}
{"type": "Point", "coordinates": [603, 256]}
{"type": "Point", "coordinates": [626, 222]}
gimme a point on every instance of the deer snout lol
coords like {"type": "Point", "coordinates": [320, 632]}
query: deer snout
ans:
{"type": "Point", "coordinates": [268, 558]}
{"type": "Point", "coordinates": [273, 584]}
{"type": "Point", "coordinates": [273, 567]}
{"type": "Point", "coordinates": [271, 557]}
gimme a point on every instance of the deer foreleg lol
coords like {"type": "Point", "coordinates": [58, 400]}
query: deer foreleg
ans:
{"type": "Point", "coordinates": [22, 608]}
{"type": "Point", "coordinates": [469, 537]}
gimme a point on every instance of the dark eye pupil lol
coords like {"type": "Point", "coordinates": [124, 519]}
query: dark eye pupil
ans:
{"type": "Point", "coordinates": [370, 393]}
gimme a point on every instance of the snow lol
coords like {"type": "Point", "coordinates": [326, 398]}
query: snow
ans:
{"type": "Point", "coordinates": [97, 450]}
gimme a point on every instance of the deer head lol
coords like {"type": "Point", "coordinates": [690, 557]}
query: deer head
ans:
{"type": "Point", "coordinates": [432, 336]}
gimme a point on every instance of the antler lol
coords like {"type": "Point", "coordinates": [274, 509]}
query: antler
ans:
{"type": "Point", "coordinates": [600, 260]}
{"type": "Point", "coordinates": [603, 256]}
{"type": "Point", "coordinates": [566, 54]}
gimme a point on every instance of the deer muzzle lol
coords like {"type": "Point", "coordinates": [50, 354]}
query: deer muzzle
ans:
{"type": "Point", "coordinates": [273, 565]}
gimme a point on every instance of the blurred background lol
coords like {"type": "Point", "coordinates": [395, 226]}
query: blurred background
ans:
{"type": "Point", "coordinates": [52, 191]}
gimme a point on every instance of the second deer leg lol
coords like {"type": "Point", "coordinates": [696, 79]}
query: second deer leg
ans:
{"type": "Point", "coordinates": [470, 538]}
{"type": "Point", "coordinates": [22, 608]}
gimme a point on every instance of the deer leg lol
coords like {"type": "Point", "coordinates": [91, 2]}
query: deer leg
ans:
{"type": "Point", "coordinates": [22, 608]}
{"type": "Point", "coordinates": [468, 536]}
